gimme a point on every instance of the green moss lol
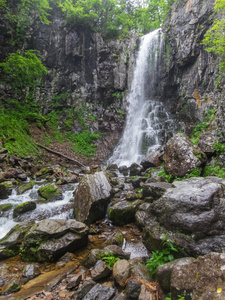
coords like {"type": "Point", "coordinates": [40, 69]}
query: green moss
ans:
{"type": "Point", "coordinates": [23, 207]}
{"type": "Point", "coordinates": [49, 191]}
{"type": "Point", "coordinates": [5, 207]}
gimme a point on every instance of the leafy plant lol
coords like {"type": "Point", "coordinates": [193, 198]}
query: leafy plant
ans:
{"type": "Point", "coordinates": [109, 258]}
{"type": "Point", "coordinates": [161, 257]}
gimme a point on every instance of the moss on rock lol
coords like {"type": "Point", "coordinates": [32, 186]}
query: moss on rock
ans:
{"type": "Point", "coordinates": [50, 193]}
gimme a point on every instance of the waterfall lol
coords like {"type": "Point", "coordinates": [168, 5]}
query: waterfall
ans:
{"type": "Point", "coordinates": [148, 125]}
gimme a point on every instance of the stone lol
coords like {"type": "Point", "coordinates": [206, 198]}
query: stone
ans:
{"type": "Point", "coordinates": [22, 177]}
{"type": "Point", "coordinates": [123, 212]}
{"type": "Point", "coordinates": [92, 198]}
{"type": "Point", "coordinates": [135, 169]}
{"type": "Point", "coordinates": [100, 270]}
{"type": "Point", "coordinates": [208, 138]}
{"type": "Point", "coordinates": [202, 278]}
{"type": "Point", "coordinates": [23, 207]}
{"type": "Point", "coordinates": [181, 156]}
{"type": "Point", "coordinates": [136, 182]}
{"type": "Point", "coordinates": [155, 190]}
{"type": "Point", "coordinates": [24, 187]}
{"type": "Point", "coordinates": [100, 292]}
{"type": "Point", "coordinates": [121, 270]}
{"type": "Point", "coordinates": [31, 271]}
{"type": "Point", "coordinates": [140, 271]}
{"type": "Point", "coordinates": [11, 243]}
{"type": "Point", "coordinates": [44, 172]}
{"type": "Point", "coordinates": [133, 289]}
{"type": "Point", "coordinates": [12, 286]}
{"type": "Point", "coordinates": [2, 282]}
{"type": "Point", "coordinates": [145, 294]}
{"type": "Point", "coordinates": [84, 289]}
{"type": "Point", "coordinates": [50, 193]}
{"type": "Point", "coordinates": [151, 160]}
{"type": "Point", "coordinates": [117, 251]}
{"type": "Point", "coordinates": [4, 191]}
{"type": "Point", "coordinates": [5, 207]}
{"type": "Point", "coordinates": [164, 272]}
{"type": "Point", "coordinates": [50, 239]}
{"type": "Point", "coordinates": [74, 281]}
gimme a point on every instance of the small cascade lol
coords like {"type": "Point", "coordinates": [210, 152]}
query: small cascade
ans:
{"type": "Point", "coordinates": [148, 125]}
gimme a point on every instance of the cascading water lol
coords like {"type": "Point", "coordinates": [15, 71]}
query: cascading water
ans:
{"type": "Point", "coordinates": [148, 125]}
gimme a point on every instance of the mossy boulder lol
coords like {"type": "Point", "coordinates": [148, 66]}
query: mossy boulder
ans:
{"type": "Point", "coordinates": [23, 207]}
{"type": "Point", "coordinates": [44, 172]}
{"type": "Point", "coordinates": [50, 193]}
{"type": "Point", "coordinates": [5, 207]}
{"type": "Point", "coordinates": [10, 244]}
{"type": "Point", "coordinates": [25, 187]}
{"type": "Point", "coordinates": [5, 189]}
{"type": "Point", "coordinates": [123, 212]}
{"type": "Point", "coordinates": [49, 239]}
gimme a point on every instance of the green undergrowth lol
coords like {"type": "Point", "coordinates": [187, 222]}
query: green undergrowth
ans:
{"type": "Point", "coordinates": [108, 258]}
{"type": "Point", "coordinates": [16, 135]}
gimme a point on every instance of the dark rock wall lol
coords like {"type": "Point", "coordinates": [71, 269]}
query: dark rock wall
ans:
{"type": "Point", "coordinates": [188, 72]}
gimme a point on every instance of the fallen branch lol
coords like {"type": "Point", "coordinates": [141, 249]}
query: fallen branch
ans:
{"type": "Point", "coordinates": [62, 155]}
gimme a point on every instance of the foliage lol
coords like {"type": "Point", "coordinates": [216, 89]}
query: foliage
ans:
{"type": "Point", "coordinates": [179, 297]}
{"type": "Point", "coordinates": [108, 258]}
{"type": "Point", "coordinates": [161, 257]}
{"type": "Point", "coordinates": [216, 170]}
{"type": "Point", "coordinates": [219, 148]}
{"type": "Point", "coordinates": [23, 70]}
{"type": "Point", "coordinates": [214, 39]}
{"type": "Point", "coordinates": [202, 126]}
{"type": "Point", "coordinates": [169, 178]}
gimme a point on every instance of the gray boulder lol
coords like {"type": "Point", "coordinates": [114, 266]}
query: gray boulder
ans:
{"type": "Point", "coordinates": [121, 271]}
{"type": "Point", "coordinates": [181, 156]}
{"type": "Point", "coordinates": [49, 239]}
{"type": "Point", "coordinates": [100, 270]}
{"type": "Point", "coordinates": [100, 292]}
{"type": "Point", "coordinates": [92, 198]}
{"type": "Point", "coordinates": [155, 190]}
{"type": "Point", "coordinates": [23, 207]}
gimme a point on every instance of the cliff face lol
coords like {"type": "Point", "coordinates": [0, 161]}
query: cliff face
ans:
{"type": "Point", "coordinates": [188, 72]}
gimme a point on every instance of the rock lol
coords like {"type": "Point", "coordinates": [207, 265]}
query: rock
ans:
{"type": "Point", "coordinates": [145, 294]}
{"type": "Point", "coordinates": [92, 198]}
{"type": "Point", "coordinates": [121, 271]}
{"type": "Point", "coordinates": [4, 191]}
{"type": "Point", "coordinates": [155, 190]}
{"type": "Point", "coordinates": [133, 289]}
{"type": "Point", "coordinates": [117, 251]}
{"type": "Point", "coordinates": [3, 150]}
{"type": "Point", "coordinates": [100, 270]}
{"type": "Point", "coordinates": [136, 182]}
{"type": "Point", "coordinates": [140, 271]}
{"type": "Point", "coordinates": [152, 160]}
{"type": "Point", "coordinates": [25, 187]}
{"type": "Point", "coordinates": [10, 244]}
{"type": "Point", "coordinates": [100, 292]}
{"type": "Point", "coordinates": [202, 278]}
{"type": "Point", "coordinates": [135, 169]}
{"type": "Point", "coordinates": [74, 281]}
{"type": "Point", "coordinates": [123, 212]}
{"type": "Point", "coordinates": [208, 138]}
{"type": "Point", "coordinates": [164, 272]}
{"type": "Point", "coordinates": [49, 239]}
{"type": "Point", "coordinates": [23, 207]}
{"type": "Point", "coordinates": [5, 207]}
{"type": "Point", "coordinates": [119, 297]}
{"type": "Point", "coordinates": [50, 193]}
{"type": "Point", "coordinates": [91, 259]}
{"type": "Point", "coordinates": [181, 156]}
{"type": "Point", "coordinates": [191, 214]}
{"type": "Point", "coordinates": [2, 282]}
{"type": "Point", "coordinates": [44, 172]}
{"type": "Point", "coordinates": [31, 271]}
{"type": "Point", "coordinates": [84, 289]}
{"type": "Point", "coordinates": [22, 177]}
{"type": "Point", "coordinates": [12, 286]}
{"type": "Point", "coordinates": [123, 170]}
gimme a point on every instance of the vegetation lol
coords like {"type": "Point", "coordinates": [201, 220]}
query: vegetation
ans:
{"type": "Point", "coordinates": [161, 257]}
{"type": "Point", "coordinates": [214, 38]}
{"type": "Point", "coordinates": [108, 258]}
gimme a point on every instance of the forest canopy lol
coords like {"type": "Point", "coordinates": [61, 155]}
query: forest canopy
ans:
{"type": "Point", "coordinates": [112, 18]}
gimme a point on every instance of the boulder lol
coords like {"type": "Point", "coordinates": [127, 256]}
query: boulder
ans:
{"type": "Point", "coordinates": [155, 190]}
{"type": "Point", "coordinates": [152, 160]}
{"type": "Point", "coordinates": [202, 278]}
{"type": "Point", "coordinates": [44, 172]}
{"type": "Point", "coordinates": [84, 289]}
{"type": "Point", "coordinates": [181, 156]}
{"type": "Point", "coordinates": [4, 191]}
{"type": "Point", "coordinates": [135, 169]}
{"type": "Point", "coordinates": [100, 270]}
{"type": "Point", "coordinates": [123, 212]}
{"type": "Point", "coordinates": [31, 271]}
{"type": "Point", "coordinates": [74, 281]}
{"type": "Point", "coordinates": [100, 292]}
{"type": "Point", "coordinates": [5, 207]}
{"type": "Point", "coordinates": [121, 270]}
{"type": "Point", "coordinates": [10, 244]}
{"type": "Point", "coordinates": [208, 138]}
{"type": "Point", "coordinates": [50, 193]}
{"type": "Point", "coordinates": [191, 213]}
{"type": "Point", "coordinates": [133, 289]}
{"type": "Point", "coordinates": [25, 187]}
{"type": "Point", "coordinates": [164, 272]}
{"type": "Point", "coordinates": [92, 198]}
{"type": "Point", "coordinates": [49, 239]}
{"type": "Point", "coordinates": [23, 207]}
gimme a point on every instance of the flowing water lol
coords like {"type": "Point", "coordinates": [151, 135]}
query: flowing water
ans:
{"type": "Point", "coordinates": [148, 125]}
{"type": "Point", "coordinates": [61, 209]}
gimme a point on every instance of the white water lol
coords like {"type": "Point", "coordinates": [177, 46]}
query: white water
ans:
{"type": "Point", "coordinates": [52, 210]}
{"type": "Point", "coordinates": [148, 124]}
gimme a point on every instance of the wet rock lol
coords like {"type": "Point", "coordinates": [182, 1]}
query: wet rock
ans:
{"type": "Point", "coordinates": [123, 212]}
{"type": "Point", "coordinates": [5, 207]}
{"type": "Point", "coordinates": [181, 156]}
{"type": "Point", "coordinates": [136, 182]}
{"type": "Point", "coordinates": [84, 289]}
{"type": "Point", "coordinates": [152, 160]}
{"type": "Point", "coordinates": [121, 270]}
{"type": "Point", "coordinates": [155, 190]}
{"type": "Point", "coordinates": [100, 292]}
{"type": "Point", "coordinates": [208, 139]}
{"type": "Point", "coordinates": [2, 282]}
{"type": "Point", "coordinates": [117, 251]}
{"type": "Point", "coordinates": [202, 278]}
{"type": "Point", "coordinates": [100, 270]}
{"type": "Point", "coordinates": [23, 207]}
{"type": "Point", "coordinates": [164, 272]}
{"type": "Point", "coordinates": [25, 187]}
{"type": "Point", "coordinates": [50, 193]}
{"type": "Point", "coordinates": [4, 191]}
{"type": "Point", "coordinates": [22, 177]}
{"type": "Point", "coordinates": [140, 271]}
{"type": "Point", "coordinates": [44, 172]}
{"type": "Point", "coordinates": [133, 289]}
{"type": "Point", "coordinates": [31, 271]}
{"type": "Point", "coordinates": [74, 281]}
{"type": "Point", "coordinates": [135, 169]}
{"type": "Point", "coordinates": [12, 286]}
{"type": "Point", "coordinates": [124, 170]}
{"type": "Point", "coordinates": [49, 239]}
{"type": "Point", "coordinates": [119, 297]}
{"type": "Point", "coordinates": [92, 198]}
{"type": "Point", "coordinates": [92, 257]}
{"type": "Point", "coordinates": [145, 294]}
{"type": "Point", "coordinates": [10, 244]}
